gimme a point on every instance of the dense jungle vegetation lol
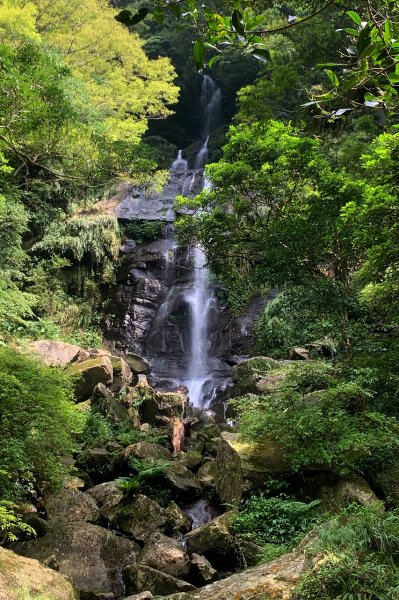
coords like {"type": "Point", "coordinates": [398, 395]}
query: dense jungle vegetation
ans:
{"type": "Point", "coordinates": [304, 199]}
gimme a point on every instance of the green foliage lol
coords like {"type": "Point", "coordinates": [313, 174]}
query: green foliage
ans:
{"type": "Point", "coordinates": [128, 485]}
{"type": "Point", "coordinates": [322, 418]}
{"type": "Point", "coordinates": [279, 520]}
{"type": "Point", "coordinates": [37, 422]}
{"type": "Point", "coordinates": [97, 430]}
{"type": "Point", "coordinates": [149, 469]}
{"type": "Point", "coordinates": [359, 558]}
{"type": "Point", "coordinates": [143, 231]}
{"type": "Point", "coordinates": [11, 523]}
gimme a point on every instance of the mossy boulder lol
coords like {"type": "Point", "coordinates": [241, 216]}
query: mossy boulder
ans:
{"type": "Point", "coordinates": [104, 402]}
{"type": "Point", "coordinates": [20, 577]}
{"type": "Point", "coordinates": [121, 371]}
{"type": "Point", "coordinates": [180, 478]}
{"type": "Point", "coordinates": [138, 516]}
{"type": "Point", "coordinates": [190, 459]}
{"type": "Point", "coordinates": [214, 541]}
{"type": "Point", "coordinates": [386, 481]}
{"type": "Point", "coordinates": [139, 578]}
{"type": "Point", "coordinates": [244, 465]}
{"type": "Point", "coordinates": [259, 375]}
{"type": "Point", "coordinates": [176, 519]}
{"type": "Point", "coordinates": [206, 474]}
{"type": "Point", "coordinates": [165, 554]}
{"type": "Point", "coordinates": [70, 505]}
{"type": "Point", "coordinates": [97, 462]}
{"type": "Point", "coordinates": [89, 555]}
{"type": "Point", "coordinates": [57, 354]}
{"type": "Point", "coordinates": [89, 373]}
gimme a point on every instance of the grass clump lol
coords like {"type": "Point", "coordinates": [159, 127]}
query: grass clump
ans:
{"type": "Point", "coordinates": [359, 551]}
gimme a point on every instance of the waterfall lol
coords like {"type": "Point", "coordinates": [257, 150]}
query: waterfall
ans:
{"type": "Point", "coordinates": [210, 105]}
{"type": "Point", "coordinates": [184, 331]}
{"type": "Point", "coordinates": [201, 301]}
{"type": "Point", "coordinates": [202, 156]}
{"type": "Point", "coordinates": [179, 165]}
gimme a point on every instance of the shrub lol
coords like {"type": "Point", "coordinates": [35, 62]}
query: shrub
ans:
{"type": "Point", "coordinates": [143, 231]}
{"type": "Point", "coordinates": [333, 428]}
{"type": "Point", "coordinates": [279, 520]}
{"type": "Point", "coordinates": [359, 551]}
{"type": "Point", "coordinates": [37, 421]}
{"type": "Point", "coordinates": [11, 523]}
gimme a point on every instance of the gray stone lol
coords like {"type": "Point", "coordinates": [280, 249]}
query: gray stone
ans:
{"type": "Point", "coordinates": [90, 555]}
{"type": "Point", "coordinates": [176, 519]}
{"type": "Point", "coordinates": [71, 505]}
{"type": "Point", "coordinates": [165, 554]}
{"type": "Point", "coordinates": [206, 474]}
{"type": "Point", "coordinates": [57, 354]}
{"type": "Point", "coordinates": [104, 493]}
{"type": "Point", "coordinates": [202, 569]}
{"type": "Point", "coordinates": [214, 538]}
{"type": "Point", "coordinates": [19, 575]}
{"type": "Point", "coordinates": [139, 578]}
{"type": "Point", "coordinates": [139, 516]}
{"type": "Point", "coordinates": [89, 373]}
{"type": "Point", "coordinates": [181, 478]}
{"type": "Point", "coordinates": [138, 364]}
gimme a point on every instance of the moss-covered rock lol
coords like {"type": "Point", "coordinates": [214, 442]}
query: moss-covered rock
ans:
{"type": "Point", "coordinates": [139, 578]}
{"type": "Point", "coordinates": [20, 576]}
{"type": "Point", "coordinates": [138, 516]}
{"type": "Point", "coordinates": [214, 539]}
{"type": "Point", "coordinates": [165, 554]}
{"type": "Point", "coordinates": [176, 519]}
{"type": "Point", "coordinates": [89, 373]}
{"type": "Point", "coordinates": [57, 354]}
{"type": "Point", "coordinates": [90, 555]}
{"type": "Point", "coordinates": [180, 478]}
{"type": "Point", "coordinates": [70, 505]}
{"type": "Point", "coordinates": [243, 465]}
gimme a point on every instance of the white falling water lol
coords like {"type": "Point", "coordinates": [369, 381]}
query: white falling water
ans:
{"type": "Point", "coordinates": [201, 301]}
{"type": "Point", "coordinates": [202, 156]}
{"type": "Point", "coordinates": [200, 298]}
{"type": "Point", "coordinates": [210, 104]}
{"type": "Point", "coordinates": [179, 165]}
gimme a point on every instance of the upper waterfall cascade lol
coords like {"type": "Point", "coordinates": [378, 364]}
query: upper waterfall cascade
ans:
{"type": "Point", "coordinates": [195, 301]}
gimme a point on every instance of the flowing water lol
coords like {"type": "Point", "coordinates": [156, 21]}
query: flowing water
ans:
{"type": "Point", "coordinates": [182, 337]}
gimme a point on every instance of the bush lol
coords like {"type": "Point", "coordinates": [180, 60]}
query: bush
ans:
{"type": "Point", "coordinates": [332, 428]}
{"type": "Point", "coordinates": [360, 550]}
{"type": "Point", "coordinates": [279, 521]}
{"type": "Point", "coordinates": [37, 421]}
{"type": "Point", "coordinates": [143, 231]}
{"type": "Point", "coordinates": [11, 523]}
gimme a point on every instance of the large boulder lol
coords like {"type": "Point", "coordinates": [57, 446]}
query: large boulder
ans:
{"type": "Point", "coordinates": [176, 519]}
{"type": "Point", "coordinates": [165, 554]}
{"type": "Point", "coordinates": [90, 555]}
{"type": "Point", "coordinates": [138, 364]}
{"type": "Point", "coordinates": [180, 478]}
{"type": "Point", "coordinates": [20, 577]}
{"type": "Point", "coordinates": [139, 516]}
{"type": "Point", "coordinates": [158, 406]}
{"type": "Point", "coordinates": [244, 465]}
{"type": "Point", "coordinates": [213, 540]}
{"type": "Point", "coordinates": [57, 354]}
{"type": "Point", "coordinates": [96, 462]}
{"type": "Point", "coordinates": [348, 490]}
{"type": "Point", "coordinates": [206, 474]}
{"type": "Point", "coordinates": [202, 570]}
{"type": "Point", "coordinates": [140, 578]}
{"type": "Point", "coordinates": [121, 371]}
{"type": "Point", "coordinates": [141, 450]}
{"type": "Point", "coordinates": [275, 580]}
{"type": "Point", "coordinates": [103, 401]}
{"type": "Point", "coordinates": [105, 493]}
{"type": "Point", "coordinates": [70, 505]}
{"type": "Point", "coordinates": [256, 375]}
{"type": "Point", "coordinates": [89, 373]}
